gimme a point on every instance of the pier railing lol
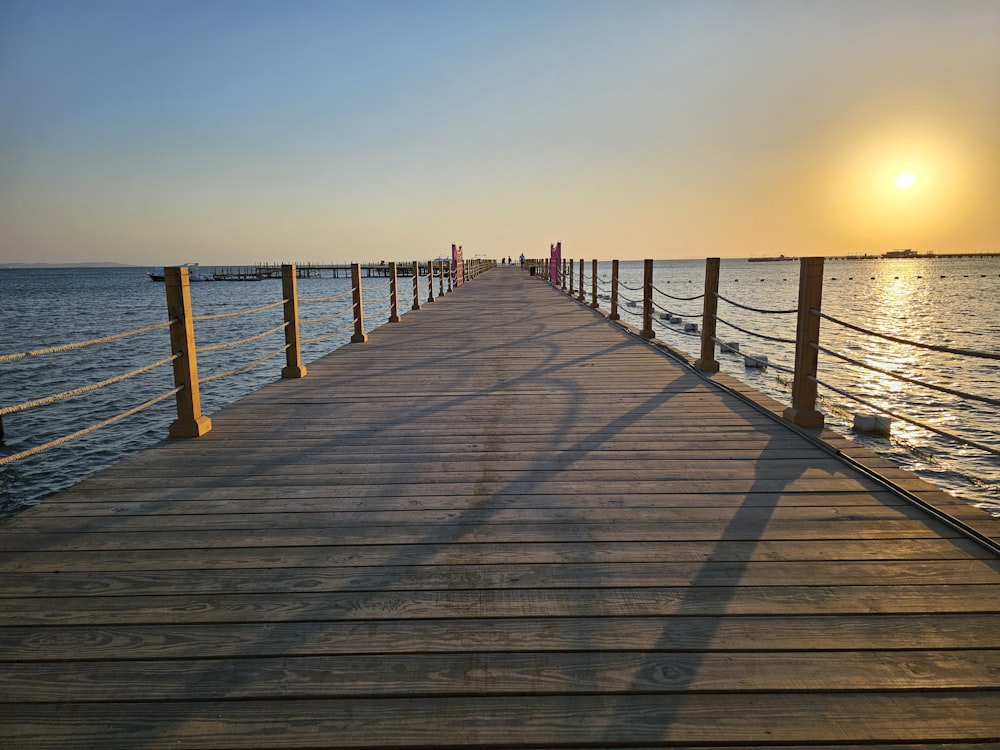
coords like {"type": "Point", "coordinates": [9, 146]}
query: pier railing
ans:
{"type": "Point", "coordinates": [348, 306]}
{"type": "Point", "coordinates": [695, 319]}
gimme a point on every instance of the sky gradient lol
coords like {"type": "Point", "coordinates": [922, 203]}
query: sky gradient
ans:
{"type": "Point", "coordinates": [233, 131]}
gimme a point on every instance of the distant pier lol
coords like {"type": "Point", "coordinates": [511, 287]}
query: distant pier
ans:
{"type": "Point", "coordinates": [262, 271]}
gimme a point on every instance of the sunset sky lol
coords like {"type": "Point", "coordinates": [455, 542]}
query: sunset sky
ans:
{"type": "Point", "coordinates": [228, 131]}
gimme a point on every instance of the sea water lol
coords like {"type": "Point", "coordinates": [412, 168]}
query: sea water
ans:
{"type": "Point", "coordinates": [944, 301]}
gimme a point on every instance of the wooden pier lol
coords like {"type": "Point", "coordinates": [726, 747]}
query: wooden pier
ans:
{"type": "Point", "coordinates": [502, 522]}
{"type": "Point", "coordinates": [263, 271]}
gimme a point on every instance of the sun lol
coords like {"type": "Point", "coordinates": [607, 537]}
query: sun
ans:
{"type": "Point", "coordinates": [905, 180]}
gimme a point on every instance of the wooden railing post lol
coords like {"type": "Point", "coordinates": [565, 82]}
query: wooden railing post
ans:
{"type": "Point", "coordinates": [416, 286]}
{"type": "Point", "coordinates": [393, 295]}
{"type": "Point", "coordinates": [564, 261]}
{"type": "Point", "coordinates": [440, 278]}
{"type": "Point", "coordinates": [593, 284]}
{"type": "Point", "coordinates": [803, 409]}
{"type": "Point", "coordinates": [581, 295]}
{"type": "Point", "coordinates": [647, 331]}
{"type": "Point", "coordinates": [359, 336]}
{"type": "Point", "coordinates": [190, 421]}
{"type": "Point", "coordinates": [293, 354]}
{"type": "Point", "coordinates": [451, 273]}
{"type": "Point", "coordinates": [614, 292]}
{"type": "Point", "coordinates": [430, 281]}
{"type": "Point", "coordinates": [571, 264]}
{"type": "Point", "coordinates": [707, 362]}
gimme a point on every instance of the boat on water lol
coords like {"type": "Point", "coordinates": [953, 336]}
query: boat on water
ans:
{"type": "Point", "coordinates": [194, 273]}
{"type": "Point", "coordinates": [769, 258]}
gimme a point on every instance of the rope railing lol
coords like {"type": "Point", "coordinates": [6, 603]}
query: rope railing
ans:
{"type": "Point", "coordinates": [331, 298]}
{"type": "Point", "coordinates": [805, 344]}
{"type": "Point", "coordinates": [748, 332]}
{"type": "Point", "coordinates": [190, 422]}
{"type": "Point", "coordinates": [909, 420]}
{"type": "Point", "coordinates": [906, 342]}
{"type": "Point", "coordinates": [241, 342]}
{"type": "Point", "coordinates": [755, 309]}
{"type": "Point", "coordinates": [907, 379]}
{"type": "Point", "coordinates": [244, 368]}
{"type": "Point", "coordinates": [677, 299]}
{"type": "Point", "coordinates": [238, 313]}
{"type": "Point", "coordinates": [14, 409]}
{"type": "Point", "coordinates": [87, 430]}
{"type": "Point", "coordinates": [80, 344]}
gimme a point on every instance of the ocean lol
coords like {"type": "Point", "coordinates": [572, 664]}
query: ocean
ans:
{"type": "Point", "coordinates": [944, 301]}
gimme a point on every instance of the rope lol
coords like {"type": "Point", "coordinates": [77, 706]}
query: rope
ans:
{"type": "Point", "coordinates": [237, 313]}
{"type": "Point", "coordinates": [308, 300]}
{"type": "Point", "coordinates": [84, 389]}
{"type": "Point", "coordinates": [886, 337]}
{"type": "Point", "coordinates": [755, 309]}
{"type": "Point", "coordinates": [921, 425]}
{"type": "Point", "coordinates": [626, 300]}
{"type": "Point", "coordinates": [386, 285]}
{"type": "Point", "coordinates": [80, 344]}
{"type": "Point", "coordinates": [782, 368]}
{"type": "Point", "coordinates": [758, 335]}
{"type": "Point", "coordinates": [242, 368]}
{"type": "Point", "coordinates": [247, 340]}
{"type": "Point", "coordinates": [326, 336]}
{"type": "Point", "coordinates": [679, 299]}
{"type": "Point", "coordinates": [914, 381]}
{"type": "Point", "coordinates": [670, 312]}
{"type": "Point", "coordinates": [676, 331]}
{"type": "Point", "coordinates": [327, 317]}
{"type": "Point", "coordinates": [630, 288]}
{"type": "Point", "coordinates": [87, 430]}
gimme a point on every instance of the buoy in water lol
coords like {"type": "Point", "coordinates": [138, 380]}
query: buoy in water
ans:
{"type": "Point", "coordinates": [730, 347]}
{"type": "Point", "coordinates": [759, 362]}
{"type": "Point", "coordinates": [876, 424]}
{"type": "Point", "coordinates": [691, 327]}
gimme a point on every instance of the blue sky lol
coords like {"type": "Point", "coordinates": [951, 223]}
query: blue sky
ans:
{"type": "Point", "coordinates": [240, 130]}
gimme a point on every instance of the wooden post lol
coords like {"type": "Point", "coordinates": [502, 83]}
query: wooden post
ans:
{"type": "Point", "coordinates": [440, 278]}
{"type": "Point", "coordinates": [593, 284]}
{"type": "Point", "coordinates": [190, 421]}
{"type": "Point", "coordinates": [571, 264]}
{"type": "Point", "coordinates": [416, 286]}
{"type": "Point", "coordinates": [564, 274]}
{"type": "Point", "coordinates": [293, 355]}
{"type": "Point", "coordinates": [359, 336]}
{"type": "Point", "coordinates": [707, 361]}
{"type": "Point", "coordinates": [581, 295]}
{"type": "Point", "coordinates": [430, 281]}
{"type": "Point", "coordinates": [647, 331]}
{"type": "Point", "coordinates": [803, 409]}
{"type": "Point", "coordinates": [393, 294]}
{"type": "Point", "coordinates": [614, 292]}
{"type": "Point", "coordinates": [451, 273]}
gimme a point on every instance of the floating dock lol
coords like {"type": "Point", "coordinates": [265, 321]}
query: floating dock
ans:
{"type": "Point", "coordinates": [502, 522]}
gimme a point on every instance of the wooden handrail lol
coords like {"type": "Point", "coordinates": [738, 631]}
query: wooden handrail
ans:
{"type": "Point", "coordinates": [707, 362]}
{"type": "Point", "coordinates": [803, 409]}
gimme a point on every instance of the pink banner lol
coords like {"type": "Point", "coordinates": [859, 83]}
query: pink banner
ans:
{"type": "Point", "coordinates": [555, 264]}
{"type": "Point", "coordinates": [458, 267]}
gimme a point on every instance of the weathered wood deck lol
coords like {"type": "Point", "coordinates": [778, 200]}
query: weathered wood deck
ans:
{"type": "Point", "coordinates": [503, 522]}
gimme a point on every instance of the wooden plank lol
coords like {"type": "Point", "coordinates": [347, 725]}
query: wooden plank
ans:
{"type": "Point", "coordinates": [491, 674]}
{"type": "Point", "coordinates": [729, 633]}
{"type": "Point", "coordinates": [740, 718]}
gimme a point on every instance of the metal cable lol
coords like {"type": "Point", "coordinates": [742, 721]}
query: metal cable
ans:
{"type": "Point", "coordinates": [247, 340]}
{"type": "Point", "coordinates": [921, 425]}
{"type": "Point", "coordinates": [691, 315]}
{"type": "Point", "coordinates": [755, 309]}
{"type": "Point", "coordinates": [904, 378]}
{"type": "Point", "coordinates": [80, 344]}
{"type": "Point", "coordinates": [87, 430]}
{"type": "Point", "coordinates": [84, 389]}
{"type": "Point", "coordinates": [886, 337]}
{"type": "Point", "coordinates": [243, 368]}
{"type": "Point", "coordinates": [675, 331]}
{"type": "Point", "coordinates": [758, 335]}
{"type": "Point", "coordinates": [237, 313]}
